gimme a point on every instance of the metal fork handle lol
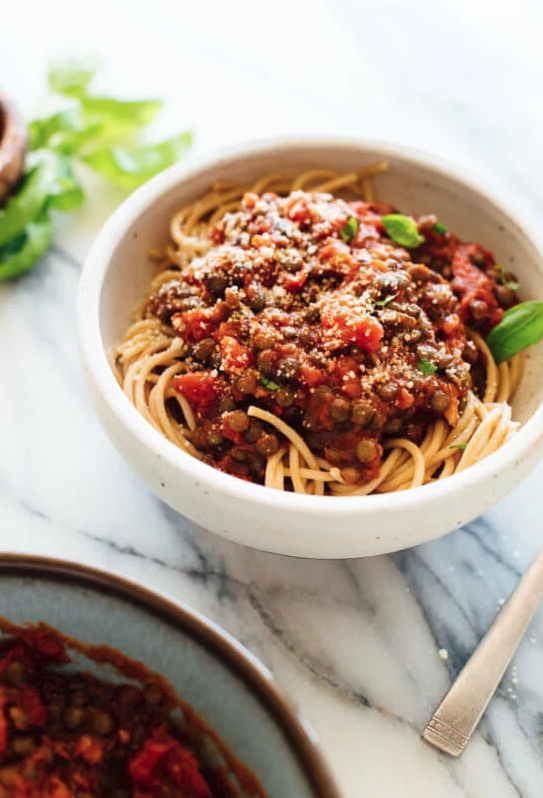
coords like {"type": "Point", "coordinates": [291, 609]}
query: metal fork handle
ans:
{"type": "Point", "coordinates": [458, 715]}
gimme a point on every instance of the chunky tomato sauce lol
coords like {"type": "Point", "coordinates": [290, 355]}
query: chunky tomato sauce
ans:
{"type": "Point", "coordinates": [305, 307]}
{"type": "Point", "coordinates": [66, 734]}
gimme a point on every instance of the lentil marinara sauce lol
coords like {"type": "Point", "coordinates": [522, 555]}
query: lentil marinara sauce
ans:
{"type": "Point", "coordinates": [67, 734]}
{"type": "Point", "coordinates": [306, 308]}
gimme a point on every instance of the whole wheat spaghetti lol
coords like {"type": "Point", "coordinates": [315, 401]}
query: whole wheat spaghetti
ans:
{"type": "Point", "coordinates": [288, 339]}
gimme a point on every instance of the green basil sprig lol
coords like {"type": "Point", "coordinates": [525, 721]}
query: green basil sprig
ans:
{"type": "Point", "coordinates": [520, 327]}
{"type": "Point", "coordinates": [403, 230]}
{"type": "Point", "coordinates": [97, 131]}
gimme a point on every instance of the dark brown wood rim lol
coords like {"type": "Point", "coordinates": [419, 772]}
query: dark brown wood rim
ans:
{"type": "Point", "coordinates": [13, 144]}
{"type": "Point", "coordinates": [13, 125]}
{"type": "Point", "coordinates": [241, 662]}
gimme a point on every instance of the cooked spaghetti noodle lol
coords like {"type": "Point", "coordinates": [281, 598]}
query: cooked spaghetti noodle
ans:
{"type": "Point", "coordinates": [292, 426]}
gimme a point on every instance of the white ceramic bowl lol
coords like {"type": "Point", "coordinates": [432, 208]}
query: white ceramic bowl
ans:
{"type": "Point", "coordinates": [117, 274]}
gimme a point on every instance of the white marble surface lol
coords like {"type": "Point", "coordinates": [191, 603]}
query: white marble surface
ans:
{"type": "Point", "coordinates": [355, 643]}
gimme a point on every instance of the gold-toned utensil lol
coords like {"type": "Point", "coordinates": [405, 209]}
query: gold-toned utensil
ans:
{"type": "Point", "coordinates": [458, 715]}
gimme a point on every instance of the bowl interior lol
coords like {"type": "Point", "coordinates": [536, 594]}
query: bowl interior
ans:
{"type": "Point", "coordinates": [411, 185]}
{"type": "Point", "coordinates": [209, 685]}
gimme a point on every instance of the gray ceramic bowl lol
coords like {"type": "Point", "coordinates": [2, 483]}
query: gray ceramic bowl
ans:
{"type": "Point", "coordinates": [221, 680]}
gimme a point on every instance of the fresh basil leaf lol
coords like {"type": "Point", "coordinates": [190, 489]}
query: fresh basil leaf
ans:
{"type": "Point", "coordinates": [12, 247]}
{"type": "Point", "coordinates": [71, 76]}
{"type": "Point", "coordinates": [382, 303]}
{"type": "Point", "coordinates": [458, 446]}
{"type": "Point", "coordinates": [403, 230]}
{"type": "Point", "coordinates": [349, 230]}
{"type": "Point", "coordinates": [29, 201]}
{"type": "Point", "coordinates": [73, 143]}
{"type": "Point", "coordinates": [520, 327]}
{"type": "Point", "coordinates": [440, 228]}
{"type": "Point", "coordinates": [50, 181]}
{"type": "Point", "coordinates": [66, 132]}
{"type": "Point", "coordinates": [22, 254]}
{"type": "Point", "coordinates": [43, 131]}
{"type": "Point", "coordinates": [426, 367]}
{"type": "Point", "coordinates": [92, 119]}
{"type": "Point", "coordinates": [129, 167]}
{"type": "Point", "coordinates": [128, 114]}
{"type": "Point", "coordinates": [66, 192]}
{"type": "Point", "coordinates": [269, 384]}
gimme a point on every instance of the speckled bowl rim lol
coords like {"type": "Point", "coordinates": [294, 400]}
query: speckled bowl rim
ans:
{"type": "Point", "coordinates": [530, 435]}
{"type": "Point", "coordinates": [300, 737]}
